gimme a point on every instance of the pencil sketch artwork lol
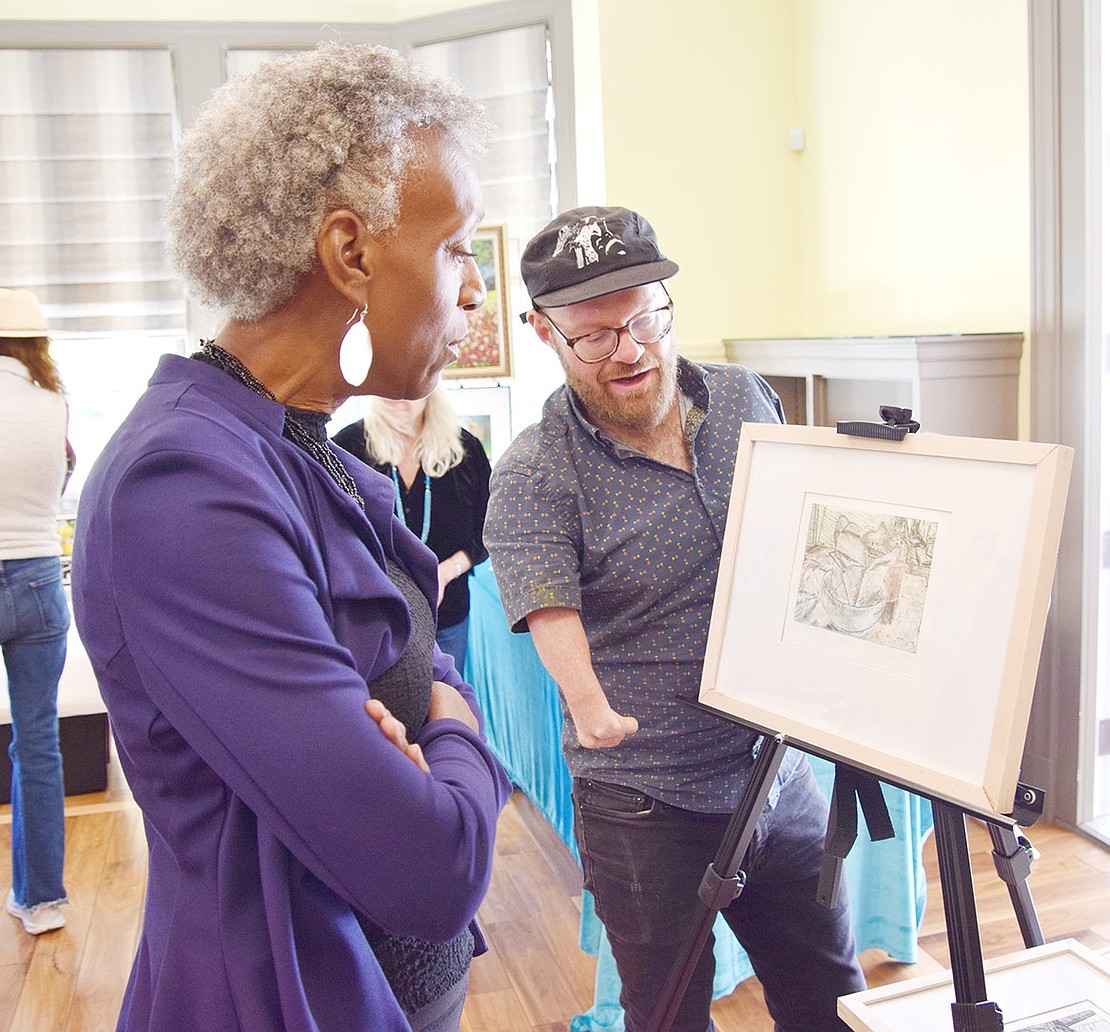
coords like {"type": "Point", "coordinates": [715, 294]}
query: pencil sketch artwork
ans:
{"type": "Point", "coordinates": [1076, 1018]}
{"type": "Point", "coordinates": [866, 574]}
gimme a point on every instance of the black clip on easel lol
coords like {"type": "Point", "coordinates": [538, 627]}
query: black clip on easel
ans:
{"type": "Point", "coordinates": [896, 423]}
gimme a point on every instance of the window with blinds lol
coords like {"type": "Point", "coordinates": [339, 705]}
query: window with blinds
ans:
{"type": "Point", "coordinates": [86, 153]}
{"type": "Point", "coordinates": [508, 72]}
{"type": "Point", "coordinates": [89, 123]}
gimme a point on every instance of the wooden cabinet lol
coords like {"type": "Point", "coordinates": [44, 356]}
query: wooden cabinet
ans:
{"type": "Point", "coordinates": [961, 384]}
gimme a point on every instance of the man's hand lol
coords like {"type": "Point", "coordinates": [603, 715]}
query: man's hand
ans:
{"type": "Point", "coordinates": [602, 727]}
{"type": "Point", "coordinates": [446, 702]}
{"type": "Point", "coordinates": [394, 730]}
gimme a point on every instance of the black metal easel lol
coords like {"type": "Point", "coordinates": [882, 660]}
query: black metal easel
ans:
{"type": "Point", "coordinates": [973, 1011]}
{"type": "Point", "coordinates": [723, 880]}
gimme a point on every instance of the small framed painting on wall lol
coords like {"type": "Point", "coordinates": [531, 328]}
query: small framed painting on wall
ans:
{"type": "Point", "coordinates": [486, 351]}
{"type": "Point", "coordinates": [487, 413]}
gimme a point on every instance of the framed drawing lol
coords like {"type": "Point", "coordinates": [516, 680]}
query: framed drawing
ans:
{"type": "Point", "coordinates": [487, 413]}
{"type": "Point", "coordinates": [1059, 987]}
{"type": "Point", "coordinates": [882, 603]}
{"type": "Point", "coordinates": [486, 351]}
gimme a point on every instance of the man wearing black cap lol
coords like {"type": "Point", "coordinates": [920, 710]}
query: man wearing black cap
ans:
{"type": "Point", "coordinates": [605, 526]}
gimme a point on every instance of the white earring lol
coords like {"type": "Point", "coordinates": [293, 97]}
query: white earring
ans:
{"type": "Point", "coordinates": [356, 352]}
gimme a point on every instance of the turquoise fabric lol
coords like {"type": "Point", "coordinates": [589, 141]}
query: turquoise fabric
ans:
{"type": "Point", "coordinates": [524, 718]}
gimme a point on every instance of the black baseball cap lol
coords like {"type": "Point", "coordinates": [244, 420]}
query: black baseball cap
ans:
{"type": "Point", "coordinates": [589, 252]}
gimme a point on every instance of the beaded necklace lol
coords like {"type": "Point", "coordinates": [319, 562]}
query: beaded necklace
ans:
{"type": "Point", "coordinates": [399, 508]}
{"type": "Point", "coordinates": [305, 429]}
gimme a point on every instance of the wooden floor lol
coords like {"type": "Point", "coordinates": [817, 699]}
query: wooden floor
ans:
{"type": "Point", "coordinates": [534, 979]}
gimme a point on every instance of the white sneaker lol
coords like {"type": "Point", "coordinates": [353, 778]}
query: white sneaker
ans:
{"type": "Point", "coordinates": [36, 920]}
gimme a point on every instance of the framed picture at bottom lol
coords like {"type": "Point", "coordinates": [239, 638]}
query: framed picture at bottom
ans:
{"type": "Point", "coordinates": [487, 413]}
{"type": "Point", "coordinates": [1058, 987]}
{"type": "Point", "coordinates": [882, 603]}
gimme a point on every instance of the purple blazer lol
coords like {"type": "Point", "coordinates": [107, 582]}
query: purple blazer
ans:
{"type": "Point", "coordinates": [234, 604]}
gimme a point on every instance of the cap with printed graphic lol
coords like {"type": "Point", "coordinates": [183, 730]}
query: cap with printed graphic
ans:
{"type": "Point", "coordinates": [590, 252]}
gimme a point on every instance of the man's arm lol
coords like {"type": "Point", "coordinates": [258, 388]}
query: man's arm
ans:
{"type": "Point", "coordinates": [560, 640]}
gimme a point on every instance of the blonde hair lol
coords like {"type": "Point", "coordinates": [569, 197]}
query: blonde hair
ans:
{"type": "Point", "coordinates": [270, 154]}
{"type": "Point", "coordinates": [34, 353]}
{"type": "Point", "coordinates": [439, 446]}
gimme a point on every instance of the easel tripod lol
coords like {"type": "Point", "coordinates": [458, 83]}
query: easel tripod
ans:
{"type": "Point", "coordinates": [723, 881]}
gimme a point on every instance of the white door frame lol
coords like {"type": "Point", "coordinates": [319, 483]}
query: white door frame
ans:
{"type": "Point", "coordinates": [1065, 369]}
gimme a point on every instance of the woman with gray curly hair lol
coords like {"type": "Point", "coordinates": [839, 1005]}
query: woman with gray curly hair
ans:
{"type": "Point", "coordinates": [316, 856]}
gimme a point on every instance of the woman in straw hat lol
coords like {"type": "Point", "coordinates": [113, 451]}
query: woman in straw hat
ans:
{"type": "Point", "coordinates": [316, 857]}
{"type": "Point", "coordinates": [34, 616]}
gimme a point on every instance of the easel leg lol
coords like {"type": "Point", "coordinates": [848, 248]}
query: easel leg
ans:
{"type": "Point", "coordinates": [723, 879]}
{"type": "Point", "coordinates": [971, 1012]}
{"type": "Point", "coordinates": [1013, 859]}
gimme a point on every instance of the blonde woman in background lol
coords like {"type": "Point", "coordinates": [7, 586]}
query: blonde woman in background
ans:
{"type": "Point", "coordinates": [34, 617]}
{"type": "Point", "coordinates": [441, 476]}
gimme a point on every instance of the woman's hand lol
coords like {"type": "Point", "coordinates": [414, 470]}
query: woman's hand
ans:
{"type": "Point", "coordinates": [394, 730]}
{"type": "Point", "coordinates": [445, 578]}
{"type": "Point", "coordinates": [446, 702]}
{"type": "Point", "coordinates": [452, 567]}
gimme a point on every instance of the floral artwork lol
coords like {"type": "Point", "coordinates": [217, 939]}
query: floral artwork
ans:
{"type": "Point", "coordinates": [485, 352]}
{"type": "Point", "coordinates": [866, 575]}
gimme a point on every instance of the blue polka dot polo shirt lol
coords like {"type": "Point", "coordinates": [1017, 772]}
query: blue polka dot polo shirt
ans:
{"type": "Point", "coordinates": [579, 521]}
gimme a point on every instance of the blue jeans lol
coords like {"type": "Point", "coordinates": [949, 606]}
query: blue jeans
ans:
{"type": "Point", "coordinates": [643, 861]}
{"type": "Point", "coordinates": [452, 640]}
{"type": "Point", "coordinates": [34, 619]}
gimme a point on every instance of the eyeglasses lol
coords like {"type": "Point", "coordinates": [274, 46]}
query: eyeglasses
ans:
{"type": "Point", "coordinates": [645, 328]}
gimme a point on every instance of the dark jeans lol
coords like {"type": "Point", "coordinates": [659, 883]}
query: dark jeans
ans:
{"type": "Point", "coordinates": [643, 861]}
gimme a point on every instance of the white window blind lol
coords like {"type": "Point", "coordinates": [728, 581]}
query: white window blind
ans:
{"type": "Point", "coordinates": [508, 71]}
{"type": "Point", "coordinates": [86, 153]}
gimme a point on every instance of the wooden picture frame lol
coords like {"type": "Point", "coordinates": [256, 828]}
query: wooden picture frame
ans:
{"type": "Point", "coordinates": [1043, 987]}
{"type": "Point", "coordinates": [487, 352]}
{"type": "Point", "coordinates": [882, 603]}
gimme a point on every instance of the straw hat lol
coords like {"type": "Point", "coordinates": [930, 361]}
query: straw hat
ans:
{"type": "Point", "coordinates": [20, 315]}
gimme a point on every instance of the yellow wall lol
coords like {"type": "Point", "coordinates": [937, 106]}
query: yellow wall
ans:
{"type": "Point", "coordinates": [697, 99]}
{"type": "Point", "coordinates": [915, 180]}
{"type": "Point", "coordinates": [907, 212]}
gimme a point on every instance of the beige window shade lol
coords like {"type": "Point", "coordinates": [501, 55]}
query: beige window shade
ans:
{"type": "Point", "coordinates": [508, 71]}
{"type": "Point", "coordinates": [86, 154]}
